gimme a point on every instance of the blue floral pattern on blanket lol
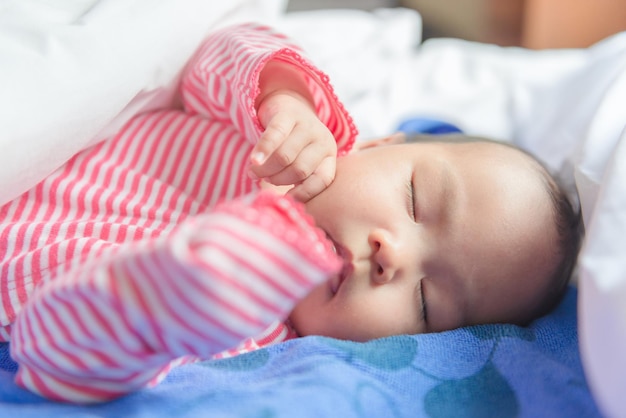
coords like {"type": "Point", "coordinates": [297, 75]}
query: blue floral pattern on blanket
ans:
{"type": "Point", "coordinates": [481, 371]}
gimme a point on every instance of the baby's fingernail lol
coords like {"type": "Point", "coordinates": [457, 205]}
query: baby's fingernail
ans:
{"type": "Point", "coordinates": [252, 175]}
{"type": "Point", "coordinates": [258, 157]}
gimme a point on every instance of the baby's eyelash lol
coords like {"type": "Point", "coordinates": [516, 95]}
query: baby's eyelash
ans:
{"type": "Point", "coordinates": [410, 197]}
{"type": "Point", "coordinates": [423, 311]}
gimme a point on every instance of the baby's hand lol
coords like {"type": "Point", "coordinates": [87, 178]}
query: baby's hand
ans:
{"type": "Point", "coordinates": [296, 148]}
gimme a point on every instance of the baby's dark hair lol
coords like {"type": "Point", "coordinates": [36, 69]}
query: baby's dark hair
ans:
{"type": "Point", "coordinates": [567, 219]}
{"type": "Point", "coordinates": [570, 231]}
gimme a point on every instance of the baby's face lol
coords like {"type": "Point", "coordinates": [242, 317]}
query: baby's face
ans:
{"type": "Point", "coordinates": [434, 236]}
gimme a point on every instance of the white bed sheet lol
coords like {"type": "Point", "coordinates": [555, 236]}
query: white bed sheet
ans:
{"type": "Point", "coordinates": [73, 71]}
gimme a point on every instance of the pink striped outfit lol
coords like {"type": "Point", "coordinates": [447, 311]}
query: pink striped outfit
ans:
{"type": "Point", "coordinates": [154, 248]}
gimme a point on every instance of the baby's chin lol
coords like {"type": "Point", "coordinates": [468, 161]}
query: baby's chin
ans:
{"type": "Point", "coordinates": [308, 316]}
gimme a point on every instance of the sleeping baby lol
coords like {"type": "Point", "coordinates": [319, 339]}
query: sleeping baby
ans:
{"type": "Point", "coordinates": [160, 246]}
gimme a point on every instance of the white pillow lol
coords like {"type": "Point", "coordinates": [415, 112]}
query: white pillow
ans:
{"type": "Point", "coordinates": [601, 180]}
{"type": "Point", "coordinates": [69, 67]}
{"type": "Point", "coordinates": [602, 283]}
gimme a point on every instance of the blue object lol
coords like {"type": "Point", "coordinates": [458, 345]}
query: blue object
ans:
{"type": "Point", "coordinates": [481, 371]}
{"type": "Point", "coordinates": [421, 125]}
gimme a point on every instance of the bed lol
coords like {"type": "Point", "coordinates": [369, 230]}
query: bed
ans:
{"type": "Point", "coordinates": [566, 106]}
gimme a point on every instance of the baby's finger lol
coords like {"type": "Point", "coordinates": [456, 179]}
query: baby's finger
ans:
{"type": "Point", "coordinates": [281, 159]}
{"type": "Point", "coordinates": [306, 162]}
{"type": "Point", "coordinates": [276, 132]}
{"type": "Point", "coordinates": [302, 167]}
{"type": "Point", "coordinates": [317, 182]}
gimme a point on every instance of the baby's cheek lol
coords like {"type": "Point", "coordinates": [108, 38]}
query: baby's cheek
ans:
{"type": "Point", "coordinates": [309, 315]}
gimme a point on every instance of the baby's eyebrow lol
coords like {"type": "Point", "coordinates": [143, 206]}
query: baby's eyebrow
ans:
{"type": "Point", "coordinates": [449, 194]}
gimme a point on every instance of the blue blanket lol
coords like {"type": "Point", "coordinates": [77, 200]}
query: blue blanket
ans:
{"type": "Point", "coordinates": [481, 371]}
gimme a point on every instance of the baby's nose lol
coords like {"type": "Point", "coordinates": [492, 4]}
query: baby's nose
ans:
{"type": "Point", "coordinates": [385, 262]}
{"type": "Point", "coordinates": [380, 274]}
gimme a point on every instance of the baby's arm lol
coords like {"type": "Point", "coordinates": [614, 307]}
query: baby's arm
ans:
{"type": "Point", "coordinates": [260, 81]}
{"type": "Point", "coordinates": [116, 324]}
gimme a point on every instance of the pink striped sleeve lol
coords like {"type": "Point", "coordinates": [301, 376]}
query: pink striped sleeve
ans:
{"type": "Point", "coordinates": [118, 323]}
{"type": "Point", "coordinates": [221, 81]}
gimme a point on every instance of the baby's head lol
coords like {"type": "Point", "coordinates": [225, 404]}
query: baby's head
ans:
{"type": "Point", "coordinates": [439, 234]}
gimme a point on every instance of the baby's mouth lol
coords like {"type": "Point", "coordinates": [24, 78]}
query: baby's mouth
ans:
{"type": "Point", "coordinates": [346, 269]}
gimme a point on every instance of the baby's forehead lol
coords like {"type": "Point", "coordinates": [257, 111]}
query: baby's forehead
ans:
{"type": "Point", "coordinates": [469, 141]}
{"type": "Point", "coordinates": [479, 147]}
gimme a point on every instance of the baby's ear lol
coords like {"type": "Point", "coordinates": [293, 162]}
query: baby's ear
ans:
{"type": "Point", "coordinates": [396, 138]}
